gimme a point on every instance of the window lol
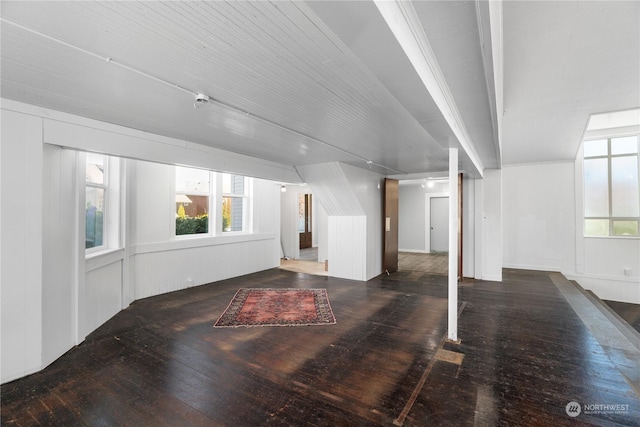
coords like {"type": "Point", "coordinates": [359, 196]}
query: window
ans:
{"type": "Point", "coordinates": [234, 202]}
{"type": "Point", "coordinates": [198, 190]}
{"type": "Point", "coordinates": [611, 187]}
{"type": "Point", "coordinates": [193, 192]}
{"type": "Point", "coordinates": [95, 200]}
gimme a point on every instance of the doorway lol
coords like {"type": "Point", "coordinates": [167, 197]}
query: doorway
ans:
{"type": "Point", "coordinates": [304, 221]}
{"type": "Point", "coordinates": [439, 224]}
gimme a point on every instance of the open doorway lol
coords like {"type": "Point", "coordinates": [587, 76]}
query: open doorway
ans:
{"type": "Point", "coordinates": [424, 226]}
{"type": "Point", "coordinates": [302, 233]}
{"type": "Point", "coordinates": [305, 228]}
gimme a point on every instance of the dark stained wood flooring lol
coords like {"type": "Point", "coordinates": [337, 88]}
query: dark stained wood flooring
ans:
{"type": "Point", "coordinates": [629, 312]}
{"type": "Point", "coordinates": [524, 355]}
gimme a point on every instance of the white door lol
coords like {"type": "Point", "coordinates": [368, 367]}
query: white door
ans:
{"type": "Point", "coordinates": [439, 224]}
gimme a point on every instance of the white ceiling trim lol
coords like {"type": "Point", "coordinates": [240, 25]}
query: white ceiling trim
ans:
{"type": "Point", "coordinates": [405, 25]}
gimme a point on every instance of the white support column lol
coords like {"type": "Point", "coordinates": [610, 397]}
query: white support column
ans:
{"type": "Point", "coordinates": [452, 329]}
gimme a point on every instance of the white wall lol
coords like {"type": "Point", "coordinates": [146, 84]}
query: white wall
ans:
{"type": "Point", "coordinates": [538, 216]}
{"type": "Point", "coordinates": [369, 188]}
{"type": "Point", "coordinates": [51, 295]}
{"type": "Point", "coordinates": [59, 271]}
{"type": "Point", "coordinates": [488, 226]}
{"type": "Point", "coordinates": [21, 168]}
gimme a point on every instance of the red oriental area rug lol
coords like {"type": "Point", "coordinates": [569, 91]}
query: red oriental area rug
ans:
{"type": "Point", "coordinates": [277, 307]}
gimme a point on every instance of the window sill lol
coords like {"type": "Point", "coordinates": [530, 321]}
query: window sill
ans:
{"type": "Point", "coordinates": [613, 237]}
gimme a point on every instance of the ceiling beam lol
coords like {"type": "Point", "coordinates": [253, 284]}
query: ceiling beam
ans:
{"type": "Point", "coordinates": [404, 23]}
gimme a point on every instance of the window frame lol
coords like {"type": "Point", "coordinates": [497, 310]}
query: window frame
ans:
{"type": "Point", "coordinates": [211, 214]}
{"type": "Point", "coordinates": [609, 157]}
{"type": "Point", "coordinates": [246, 196]}
{"type": "Point", "coordinates": [105, 208]}
{"type": "Point", "coordinates": [111, 237]}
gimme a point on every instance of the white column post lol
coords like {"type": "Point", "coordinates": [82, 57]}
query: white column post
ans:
{"type": "Point", "coordinates": [452, 329]}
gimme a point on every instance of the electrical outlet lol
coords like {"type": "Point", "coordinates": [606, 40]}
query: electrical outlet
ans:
{"type": "Point", "coordinates": [627, 272]}
{"type": "Point", "coordinates": [189, 282]}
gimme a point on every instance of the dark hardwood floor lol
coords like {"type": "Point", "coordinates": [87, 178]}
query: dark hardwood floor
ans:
{"type": "Point", "coordinates": [524, 355]}
{"type": "Point", "coordinates": [629, 312]}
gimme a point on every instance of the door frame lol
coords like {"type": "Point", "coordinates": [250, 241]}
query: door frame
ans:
{"type": "Point", "coordinates": [427, 217]}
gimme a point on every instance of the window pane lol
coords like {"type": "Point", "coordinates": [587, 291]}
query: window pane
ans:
{"type": "Point", "coordinates": [625, 145]}
{"type": "Point", "coordinates": [192, 180]}
{"type": "Point", "coordinates": [596, 227]}
{"type": "Point", "coordinates": [596, 187]}
{"type": "Point", "coordinates": [95, 168]}
{"type": "Point", "coordinates": [232, 214]}
{"type": "Point", "coordinates": [624, 186]}
{"type": "Point", "coordinates": [192, 214]}
{"type": "Point", "coordinates": [94, 226]}
{"type": "Point", "coordinates": [625, 228]}
{"type": "Point", "coordinates": [232, 184]}
{"type": "Point", "coordinates": [595, 148]}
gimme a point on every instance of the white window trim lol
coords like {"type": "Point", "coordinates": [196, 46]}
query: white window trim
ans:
{"type": "Point", "coordinates": [111, 212]}
{"type": "Point", "coordinates": [213, 182]}
{"type": "Point", "coordinates": [247, 206]}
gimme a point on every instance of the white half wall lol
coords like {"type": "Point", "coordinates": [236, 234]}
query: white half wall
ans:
{"type": "Point", "coordinates": [348, 247]}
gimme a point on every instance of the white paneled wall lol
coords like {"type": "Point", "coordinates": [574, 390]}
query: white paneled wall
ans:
{"type": "Point", "coordinates": [348, 247]}
{"type": "Point", "coordinates": [102, 296]}
{"type": "Point", "coordinates": [60, 253]}
{"type": "Point", "coordinates": [159, 270]}
{"type": "Point", "coordinates": [21, 170]}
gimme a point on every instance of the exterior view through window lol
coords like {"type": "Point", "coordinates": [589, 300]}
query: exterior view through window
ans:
{"type": "Point", "coordinates": [611, 186]}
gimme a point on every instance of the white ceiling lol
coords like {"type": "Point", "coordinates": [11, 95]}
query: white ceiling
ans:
{"type": "Point", "coordinates": [301, 83]}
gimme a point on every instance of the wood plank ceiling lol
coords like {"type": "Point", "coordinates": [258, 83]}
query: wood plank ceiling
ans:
{"type": "Point", "coordinates": [303, 83]}
{"type": "Point", "coordinates": [287, 89]}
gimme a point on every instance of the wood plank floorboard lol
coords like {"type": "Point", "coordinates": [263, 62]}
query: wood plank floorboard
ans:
{"type": "Point", "coordinates": [629, 312]}
{"type": "Point", "coordinates": [524, 354]}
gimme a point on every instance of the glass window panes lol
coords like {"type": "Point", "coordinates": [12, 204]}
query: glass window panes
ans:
{"type": "Point", "coordinates": [625, 228]}
{"type": "Point", "coordinates": [232, 214]}
{"type": "Point", "coordinates": [232, 184]}
{"type": "Point", "coordinates": [95, 168]}
{"type": "Point", "coordinates": [94, 221]}
{"type": "Point", "coordinates": [596, 188]}
{"type": "Point", "coordinates": [624, 145]}
{"type": "Point", "coordinates": [192, 180]}
{"type": "Point", "coordinates": [596, 227]}
{"type": "Point", "coordinates": [595, 148]}
{"type": "Point", "coordinates": [193, 188]}
{"type": "Point", "coordinates": [624, 187]}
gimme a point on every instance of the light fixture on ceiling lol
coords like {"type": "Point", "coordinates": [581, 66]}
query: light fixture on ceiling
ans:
{"type": "Point", "coordinates": [283, 189]}
{"type": "Point", "coordinates": [201, 99]}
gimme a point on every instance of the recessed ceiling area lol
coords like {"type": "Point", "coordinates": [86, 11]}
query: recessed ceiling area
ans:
{"type": "Point", "coordinates": [301, 83]}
